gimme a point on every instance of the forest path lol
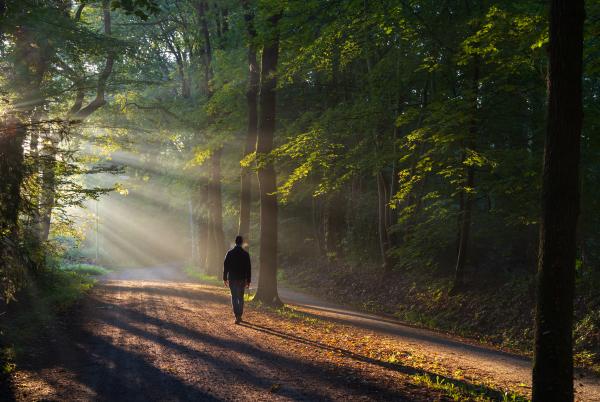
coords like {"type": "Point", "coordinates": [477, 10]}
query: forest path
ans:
{"type": "Point", "coordinates": [485, 364]}
{"type": "Point", "coordinates": [150, 335]}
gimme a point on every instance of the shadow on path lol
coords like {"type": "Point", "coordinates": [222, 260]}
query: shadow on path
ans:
{"type": "Point", "coordinates": [408, 332]}
{"type": "Point", "coordinates": [490, 392]}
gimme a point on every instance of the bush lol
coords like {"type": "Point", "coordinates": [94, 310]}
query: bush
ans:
{"type": "Point", "coordinates": [85, 269]}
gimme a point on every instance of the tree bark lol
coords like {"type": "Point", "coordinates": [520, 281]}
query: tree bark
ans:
{"type": "Point", "coordinates": [202, 224]}
{"type": "Point", "coordinates": [100, 100]}
{"type": "Point", "coordinates": [32, 65]}
{"type": "Point", "coordinates": [216, 253]}
{"type": "Point", "coordinates": [267, 180]}
{"type": "Point", "coordinates": [382, 221]}
{"type": "Point", "coordinates": [202, 9]}
{"type": "Point", "coordinates": [48, 187]}
{"type": "Point", "coordinates": [335, 222]}
{"type": "Point", "coordinates": [216, 239]}
{"type": "Point", "coordinates": [12, 135]}
{"type": "Point", "coordinates": [34, 139]}
{"type": "Point", "coordinates": [76, 113]}
{"type": "Point", "coordinates": [251, 133]}
{"type": "Point", "coordinates": [553, 350]}
{"type": "Point", "coordinates": [466, 201]}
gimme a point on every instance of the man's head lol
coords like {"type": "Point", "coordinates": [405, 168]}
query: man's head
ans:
{"type": "Point", "coordinates": [239, 240]}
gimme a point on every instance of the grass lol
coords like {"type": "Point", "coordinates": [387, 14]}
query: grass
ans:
{"type": "Point", "coordinates": [461, 391]}
{"type": "Point", "coordinates": [193, 273]}
{"type": "Point", "coordinates": [284, 311]}
{"type": "Point", "coordinates": [37, 307]}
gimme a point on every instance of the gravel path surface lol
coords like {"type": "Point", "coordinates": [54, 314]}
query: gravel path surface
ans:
{"type": "Point", "coordinates": [151, 335]}
{"type": "Point", "coordinates": [493, 366]}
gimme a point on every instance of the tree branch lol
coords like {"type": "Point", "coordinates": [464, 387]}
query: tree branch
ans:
{"type": "Point", "coordinates": [99, 101]}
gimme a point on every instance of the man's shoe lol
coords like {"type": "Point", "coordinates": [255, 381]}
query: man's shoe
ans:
{"type": "Point", "coordinates": [238, 320]}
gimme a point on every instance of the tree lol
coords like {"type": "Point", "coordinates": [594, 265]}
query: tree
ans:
{"type": "Point", "coordinates": [216, 239]}
{"type": "Point", "coordinates": [553, 350]}
{"type": "Point", "coordinates": [251, 131]}
{"type": "Point", "coordinates": [466, 193]}
{"type": "Point", "coordinates": [77, 113]}
{"type": "Point", "coordinates": [267, 179]}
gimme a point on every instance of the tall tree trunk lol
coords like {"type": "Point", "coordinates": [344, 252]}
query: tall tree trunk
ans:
{"type": "Point", "coordinates": [76, 113]}
{"type": "Point", "coordinates": [335, 222]}
{"type": "Point", "coordinates": [267, 180]}
{"type": "Point", "coordinates": [553, 351]}
{"type": "Point", "coordinates": [251, 101]}
{"type": "Point", "coordinates": [202, 224]}
{"type": "Point", "coordinates": [217, 237]}
{"type": "Point", "coordinates": [48, 187]}
{"type": "Point", "coordinates": [317, 226]}
{"type": "Point", "coordinates": [464, 226]}
{"type": "Point", "coordinates": [12, 135]}
{"type": "Point", "coordinates": [335, 208]}
{"type": "Point", "coordinates": [202, 9]}
{"type": "Point", "coordinates": [466, 201]}
{"type": "Point", "coordinates": [382, 221]}
{"type": "Point", "coordinates": [34, 139]}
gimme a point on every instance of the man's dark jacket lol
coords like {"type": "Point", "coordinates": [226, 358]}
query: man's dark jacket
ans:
{"type": "Point", "coordinates": [237, 265]}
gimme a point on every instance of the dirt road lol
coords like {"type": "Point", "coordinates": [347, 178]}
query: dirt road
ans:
{"type": "Point", "coordinates": [489, 365]}
{"type": "Point", "coordinates": [150, 335]}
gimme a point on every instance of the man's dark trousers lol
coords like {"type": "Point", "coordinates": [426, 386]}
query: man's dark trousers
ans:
{"type": "Point", "coordinates": [237, 296]}
{"type": "Point", "coordinates": [237, 270]}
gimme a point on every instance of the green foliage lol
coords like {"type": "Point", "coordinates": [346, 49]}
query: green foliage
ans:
{"type": "Point", "coordinates": [383, 107]}
{"type": "Point", "coordinates": [194, 273]}
{"type": "Point", "coordinates": [141, 8]}
{"type": "Point", "coordinates": [85, 269]}
{"type": "Point", "coordinates": [461, 391]}
{"type": "Point", "coordinates": [52, 294]}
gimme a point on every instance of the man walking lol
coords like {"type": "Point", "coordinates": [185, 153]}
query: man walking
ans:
{"type": "Point", "coordinates": [236, 275]}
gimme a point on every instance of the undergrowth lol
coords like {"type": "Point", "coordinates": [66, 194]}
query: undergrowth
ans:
{"type": "Point", "coordinates": [284, 311]}
{"type": "Point", "coordinates": [194, 273]}
{"type": "Point", "coordinates": [498, 311]}
{"type": "Point", "coordinates": [461, 391]}
{"type": "Point", "coordinates": [37, 306]}
{"type": "Point", "coordinates": [85, 269]}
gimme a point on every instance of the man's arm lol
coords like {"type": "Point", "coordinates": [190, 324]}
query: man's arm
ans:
{"type": "Point", "coordinates": [248, 270]}
{"type": "Point", "coordinates": [226, 264]}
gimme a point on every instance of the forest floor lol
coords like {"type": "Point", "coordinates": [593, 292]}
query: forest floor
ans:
{"type": "Point", "coordinates": [150, 334]}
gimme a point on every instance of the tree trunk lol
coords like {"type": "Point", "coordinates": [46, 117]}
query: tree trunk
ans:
{"type": "Point", "coordinates": [34, 137]}
{"type": "Point", "coordinates": [104, 75]}
{"type": "Point", "coordinates": [335, 222]}
{"type": "Point", "coordinates": [202, 225]}
{"type": "Point", "coordinates": [251, 100]}
{"type": "Point", "coordinates": [267, 180]}
{"type": "Point", "coordinates": [202, 9]}
{"type": "Point", "coordinates": [317, 227]}
{"type": "Point", "coordinates": [50, 144]}
{"type": "Point", "coordinates": [216, 253]}
{"type": "Point", "coordinates": [553, 351]}
{"type": "Point", "coordinates": [12, 135]}
{"type": "Point", "coordinates": [466, 207]}
{"type": "Point", "coordinates": [382, 221]}
{"type": "Point", "coordinates": [48, 187]}
{"type": "Point", "coordinates": [216, 238]}
{"type": "Point", "coordinates": [467, 195]}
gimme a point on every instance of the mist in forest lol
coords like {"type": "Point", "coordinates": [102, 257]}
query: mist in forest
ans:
{"type": "Point", "coordinates": [428, 160]}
